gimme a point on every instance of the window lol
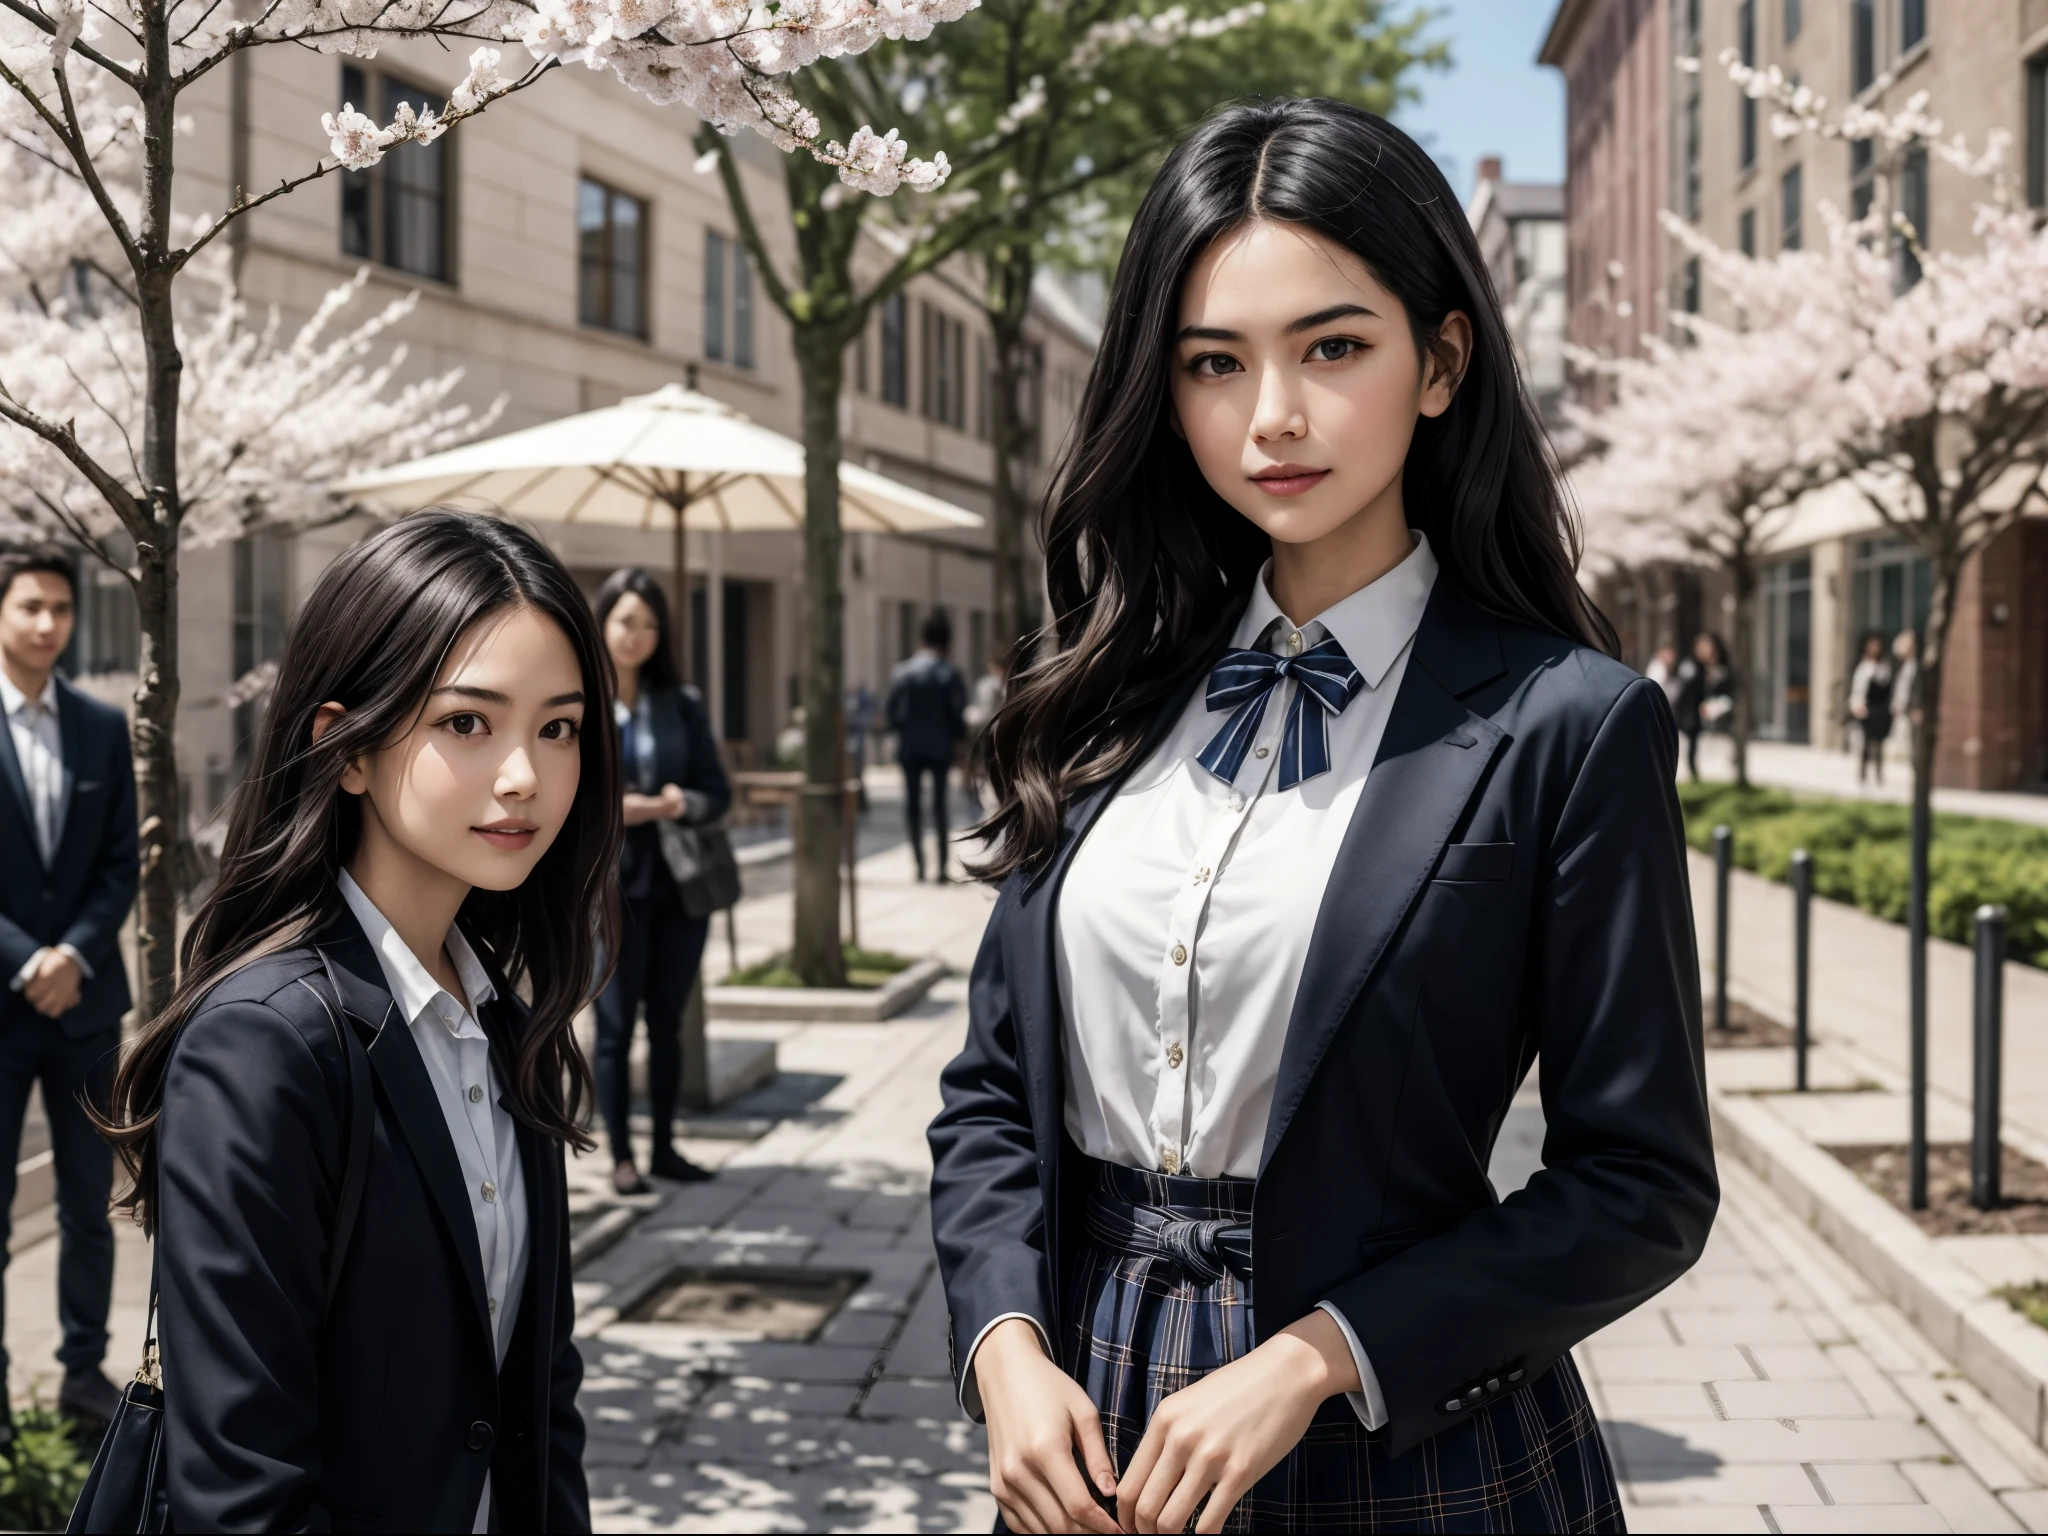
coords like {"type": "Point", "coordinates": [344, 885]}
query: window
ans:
{"type": "Point", "coordinates": [1795, 20]}
{"type": "Point", "coordinates": [984, 391]}
{"type": "Point", "coordinates": [2037, 131]}
{"type": "Point", "coordinates": [1791, 194]}
{"type": "Point", "coordinates": [860, 361]}
{"type": "Point", "coordinates": [943, 397]}
{"type": "Point", "coordinates": [1913, 209]}
{"type": "Point", "coordinates": [1891, 587]}
{"type": "Point", "coordinates": [714, 295]}
{"type": "Point", "coordinates": [260, 562]}
{"type": "Point", "coordinates": [397, 212]}
{"type": "Point", "coordinates": [108, 637]}
{"type": "Point", "coordinates": [611, 237]}
{"type": "Point", "coordinates": [1690, 149]}
{"type": "Point", "coordinates": [742, 308]}
{"type": "Point", "coordinates": [1745, 43]}
{"type": "Point", "coordinates": [1862, 44]}
{"type": "Point", "coordinates": [1745, 232]}
{"type": "Point", "coordinates": [1689, 292]}
{"type": "Point", "coordinates": [1862, 178]}
{"type": "Point", "coordinates": [1912, 23]}
{"type": "Point", "coordinates": [895, 350]}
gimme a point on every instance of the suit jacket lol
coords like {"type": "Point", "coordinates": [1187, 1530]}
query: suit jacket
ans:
{"type": "Point", "coordinates": [926, 708]}
{"type": "Point", "coordinates": [388, 1415]}
{"type": "Point", "coordinates": [686, 755]}
{"type": "Point", "coordinates": [1512, 886]}
{"type": "Point", "coordinates": [82, 897]}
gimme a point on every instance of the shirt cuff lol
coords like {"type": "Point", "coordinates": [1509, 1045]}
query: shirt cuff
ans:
{"type": "Point", "coordinates": [970, 1391]}
{"type": "Point", "coordinates": [696, 805]}
{"type": "Point", "coordinates": [76, 959]}
{"type": "Point", "coordinates": [28, 969]}
{"type": "Point", "coordinates": [1370, 1407]}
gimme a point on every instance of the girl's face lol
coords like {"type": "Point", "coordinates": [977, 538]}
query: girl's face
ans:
{"type": "Point", "coordinates": [481, 784]}
{"type": "Point", "coordinates": [1297, 382]}
{"type": "Point", "coordinates": [631, 633]}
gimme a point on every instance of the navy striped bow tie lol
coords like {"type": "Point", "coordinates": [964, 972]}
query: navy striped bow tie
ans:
{"type": "Point", "coordinates": [1246, 679]}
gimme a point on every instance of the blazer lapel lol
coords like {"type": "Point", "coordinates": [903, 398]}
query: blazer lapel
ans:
{"type": "Point", "coordinates": [17, 786]}
{"type": "Point", "coordinates": [400, 1072]}
{"type": "Point", "coordinates": [1433, 756]}
{"type": "Point", "coordinates": [71, 745]}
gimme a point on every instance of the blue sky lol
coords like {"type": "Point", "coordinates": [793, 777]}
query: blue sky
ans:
{"type": "Point", "coordinates": [1495, 99]}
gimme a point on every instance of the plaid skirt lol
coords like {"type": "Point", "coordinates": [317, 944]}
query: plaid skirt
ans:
{"type": "Point", "coordinates": [1160, 1294]}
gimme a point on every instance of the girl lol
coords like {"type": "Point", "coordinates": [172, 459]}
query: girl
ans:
{"type": "Point", "coordinates": [1324, 816]}
{"type": "Point", "coordinates": [1870, 705]}
{"type": "Point", "coordinates": [422, 841]}
{"type": "Point", "coordinates": [672, 774]}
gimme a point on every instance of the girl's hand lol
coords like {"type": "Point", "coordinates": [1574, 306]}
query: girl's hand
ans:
{"type": "Point", "coordinates": [1038, 1416]}
{"type": "Point", "coordinates": [1221, 1435]}
{"type": "Point", "coordinates": [673, 805]}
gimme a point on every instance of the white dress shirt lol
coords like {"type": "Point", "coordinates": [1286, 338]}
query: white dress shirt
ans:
{"type": "Point", "coordinates": [1185, 916]}
{"type": "Point", "coordinates": [457, 1053]}
{"type": "Point", "coordinates": [38, 739]}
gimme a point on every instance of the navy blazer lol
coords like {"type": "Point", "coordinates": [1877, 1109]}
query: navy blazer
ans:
{"type": "Point", "coordinates": [685, 755]}
{"type": "Point", "coordinates": [83, 896]}
{"type": "Point", "coordinates": [1512, 887]}
{"type": "Point", "coordinates": [387, 1416]}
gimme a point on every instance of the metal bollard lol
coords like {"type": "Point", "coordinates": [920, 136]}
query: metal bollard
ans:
{"type": "Point", "coordinates": [1990, 1042]}
{"type": "Point", "coordinates": [1802, 954]}
{"type": "Point", "coordinates": [1724, 858]}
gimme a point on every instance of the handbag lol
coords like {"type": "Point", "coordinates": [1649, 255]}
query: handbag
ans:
{"type": "Point", "coordinates": [127, 1489]}
{"type": "Point", "coordinates": [700, 861]}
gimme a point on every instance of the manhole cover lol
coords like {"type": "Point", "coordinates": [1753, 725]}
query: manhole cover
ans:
{"type": "Point", "coordinates": [759, 1303]}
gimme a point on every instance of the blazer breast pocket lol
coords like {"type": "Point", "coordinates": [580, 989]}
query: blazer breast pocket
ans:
{"type": "Point", "coordinates": [1473, 862]}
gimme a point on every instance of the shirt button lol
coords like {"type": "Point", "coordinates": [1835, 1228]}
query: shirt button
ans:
{"type": "Point", "coordinates": [1201, 874]}
{"type": "Point", "coordinates": [1180, 954]}
{"type": "Point", "coordinates": [1173, 1056]}
{"type": "Point", "coordinates": [1169, 1160]}
{"type": "Point", "coordinates": [1260, 752]}
{"type": "Point", "coordinates": [476, 1093]}
{"type": "Point", "coordinates": [494, 1306]}
{"type": "Point", "coordinates": [1237, 802]}
{"type": "Point", "coordinates": [490, 1193]}
{"type": "Point", "coordinates": [1294, 643]}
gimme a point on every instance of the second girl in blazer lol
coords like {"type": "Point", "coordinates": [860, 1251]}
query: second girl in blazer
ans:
{"type": "Point", "coordinates": [1323, 817]}
{"type": "Point", "coordinates": [425, 835]}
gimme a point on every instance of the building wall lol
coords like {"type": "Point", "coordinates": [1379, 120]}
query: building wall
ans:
{"type": "Point", "coordinates": [508, 316]}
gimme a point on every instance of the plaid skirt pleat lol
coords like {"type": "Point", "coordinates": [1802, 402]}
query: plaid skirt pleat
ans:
{"type": "Point", "coordinates": [1151, 1310]}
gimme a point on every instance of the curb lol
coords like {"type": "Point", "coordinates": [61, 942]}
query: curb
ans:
{"type": "Point", "coordinates": [825, 1005]}
{"type": "Point", "coordinates": [2000, 1352]}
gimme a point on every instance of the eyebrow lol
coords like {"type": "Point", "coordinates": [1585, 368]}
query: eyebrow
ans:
{"type": "Point", "coordinates": [492, 696]}
{"type": "Point", "coordinates": [1293, 327]}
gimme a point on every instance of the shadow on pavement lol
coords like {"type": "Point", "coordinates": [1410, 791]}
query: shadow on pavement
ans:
{"type": "Point", "coordinates": [1645, 1455]}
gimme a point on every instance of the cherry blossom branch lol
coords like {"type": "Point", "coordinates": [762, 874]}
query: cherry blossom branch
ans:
{"type": "Point", "coordinates": [84, 50]}
{"type": "Point", "coordinates": [67, 133]}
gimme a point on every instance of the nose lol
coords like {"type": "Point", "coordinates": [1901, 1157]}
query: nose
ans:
{"type": "Point", "coordinates": [517, 777]}
{"type": "Point", "coordinates": [1278, 413]}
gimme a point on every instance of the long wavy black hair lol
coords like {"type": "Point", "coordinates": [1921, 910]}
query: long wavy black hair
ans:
{"type": "Point", "coordinates": [372, 636]}
{"type": "Point", "coordinates": [1147, 566]}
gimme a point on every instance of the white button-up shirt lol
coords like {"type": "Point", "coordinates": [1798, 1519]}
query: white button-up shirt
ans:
{"type": "Point", "coordinates": [457, 1054]}
{"type": "Point", "coordinates": [39, 749]}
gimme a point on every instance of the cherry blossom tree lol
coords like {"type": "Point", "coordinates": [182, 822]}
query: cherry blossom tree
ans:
{"type": "Point", "coordinates": [99, 379]}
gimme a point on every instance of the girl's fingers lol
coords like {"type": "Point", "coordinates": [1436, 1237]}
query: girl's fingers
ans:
{"type": "Point", "coordinates": [1077, 1509]}
{"type": "Point", "coordinates": [1094, 1451]}
{"type": "Point", "coordinates": [1148, 1501]}
{"type": "Point", "coordinates": [1179, 1508]}
{"type": "Point", "coordinates": [1222, 1500]}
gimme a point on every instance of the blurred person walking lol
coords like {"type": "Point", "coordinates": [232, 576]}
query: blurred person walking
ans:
{"type": "Point", "coordinates": [981, 708]}
{"type": "Point", "coordinates": [1870, 706]}
{"type": "Point", "coordinates": [1705, 690]}
{"type": "Point", "coordinates": [673, 775]}
{"type": "Point", "coordinates": [927, 709]}
{"type": "Point", "coordinates": [67, 880]}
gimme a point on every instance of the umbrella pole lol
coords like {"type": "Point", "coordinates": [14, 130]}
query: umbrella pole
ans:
{"type": "Point", "coordinates": [684, 616]}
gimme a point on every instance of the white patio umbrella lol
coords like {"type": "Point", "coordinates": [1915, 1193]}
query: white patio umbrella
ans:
{"type": "Point", "coordinates": [675, 458]}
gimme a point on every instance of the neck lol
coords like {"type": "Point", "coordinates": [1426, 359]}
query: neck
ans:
{"type": "Point", "coordinates": [1313, 577]}
{"type": "Point", "coordinates": [418, 899]}
{"type": "Point", "coordinates": [30, 683]}
{"type": "Point", "coordinates": [629, 684]}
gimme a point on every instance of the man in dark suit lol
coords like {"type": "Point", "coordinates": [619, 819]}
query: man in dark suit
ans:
{"type": "Point", "coordinates": [927, 709]}
{"type": "Point", "coordinates": [67, 879]}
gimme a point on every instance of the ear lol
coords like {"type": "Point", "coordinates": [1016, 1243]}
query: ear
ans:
{"type": "Point", "coordinates": [1445, 361]}
{"type": "Point", "coordinates": [354, 778]}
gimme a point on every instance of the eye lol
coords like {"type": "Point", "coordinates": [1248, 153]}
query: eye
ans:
{"type": "Point", "coordinates": [1214, 365]}
{"type": "Point", "coordinates": [563, 729]}
{"type": "Point", "coordinates": [468, 723]}
{"type": "Point", "coordinates": [1334, 349]}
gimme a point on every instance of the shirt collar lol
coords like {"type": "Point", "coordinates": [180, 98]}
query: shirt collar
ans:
{"type": "Point", "coordinates": [1374, 624]}
{"type": "Point", "coordinates": [12, 698]}
{"type": "Point", "coordinates": [412, 987]}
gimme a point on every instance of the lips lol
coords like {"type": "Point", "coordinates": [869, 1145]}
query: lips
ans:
{"type": "Point", "coordinates": [507, 834]}
{"type": "Point", "coordinates": [1289, 479]}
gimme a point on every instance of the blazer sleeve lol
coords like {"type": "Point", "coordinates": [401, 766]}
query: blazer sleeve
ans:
{"type": "Point", "coordinates": [248, 1160]}
{"type": "Point", "coordinates": [1628, 1191]}
{"type": "Point", "coordinates": [988, 1208]}
{"type": "Point", "coordinates": [567, 1492]}
{"type": "Point", "coordinates": [95, 931]}
{"type": "Point", "coordinates": [707, 772]}
{"type": "Point", "coordinates": [956, 703]}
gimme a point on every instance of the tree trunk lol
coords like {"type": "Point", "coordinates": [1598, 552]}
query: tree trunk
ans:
{"type": "Point", "coordinates": [1923, 722]}
{"type": "Point", "coordinates": [1010, 292]}
{"type": "Point", "coordinates": [816, 954]}
{"type": "Point", "coordinates": [156, 773]}
{"type": "Point", "coordinates": [1740, 718]}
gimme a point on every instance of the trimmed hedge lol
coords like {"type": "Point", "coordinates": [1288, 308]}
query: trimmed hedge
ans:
{"type": "Point", "coordinates": [1860, 855]}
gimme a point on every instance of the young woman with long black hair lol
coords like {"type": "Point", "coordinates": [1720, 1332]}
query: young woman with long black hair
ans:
{"type": "Point", "coordinates": [1323, 815]}
{"type": "Point", "coordinates": [418, 870]}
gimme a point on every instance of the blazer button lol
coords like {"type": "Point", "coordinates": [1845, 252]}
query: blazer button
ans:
{"type": "Point", "coordinates": [1451, 1405]}
{"type": "Point", "coordinates": [1473, 1394]}
{"type": "Point", "coordinates": [479, 1436]}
